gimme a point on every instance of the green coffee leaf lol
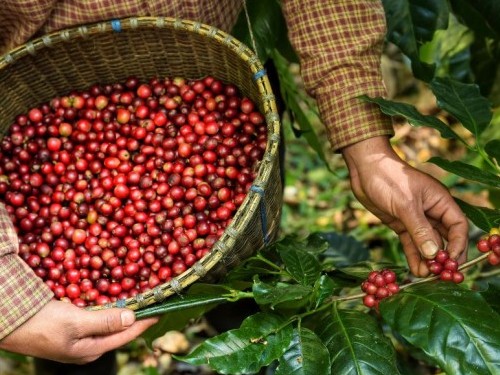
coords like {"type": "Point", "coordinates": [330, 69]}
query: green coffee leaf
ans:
{"type": "Point", "coordinates": [483, 217]}
{"type": "Point", "coordinates": [260, 340]}
{"type": "Point", "coordinates": [313, 244]}
{"type": "Point", "coordinates": [414, 117]}
{"type": "Point", "coordinates": [316, 243]}
{"type": "Point", "coordinates": [451, 324]}
{"type": "Point", "coordinates": [267, 324]}
{"type": "Point", "coordinates": [343, 249]}
{"type": "Point", "coordinates": [412, 23]}
{"type": "Point", "coordinates": [467, 171]}
{"type": "Point", "coordinates": [357, 344]}
{"type": "Point", "coordinates": [307, 355]}
{"type": "Point", "coordinates": [274, 294]}
{"type": "Point", "coordinates": [301, 265]}
{"type": "Point", "coordinates": [491, 295]}
{"type": "Point", "coordinates": [464, 102]}
{"type": "Point", "coordinates": [323, 289]}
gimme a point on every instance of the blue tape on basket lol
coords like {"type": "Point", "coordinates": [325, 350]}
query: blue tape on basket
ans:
{"type": "Point", "coordinates": [116, 25]}
{"type": "Point", "coordinates": [263, 214]}
{"type": "Point", "coordinates": [261, 73]}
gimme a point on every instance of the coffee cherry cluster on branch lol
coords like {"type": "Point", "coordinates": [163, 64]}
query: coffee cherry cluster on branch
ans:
{"type": "Point", "coordinates": [379, 285]}
{"type": "Point", "coordinates": [445, 267]}
{"type": "Point", "coordinates": [490, 244]}
{"type": "Point", "coordinates": [117, 189]}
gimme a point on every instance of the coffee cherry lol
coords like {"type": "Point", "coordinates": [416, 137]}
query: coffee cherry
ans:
{"type": "Point", "coordinates": [379, 285]}
{"type": "Point", "coordinates": [494, 259]}
{"type": "Point", "coordinates": [445, 267]}
{"type": "Point", "coordinates": [370, 300]}
{"type": "Point", "coordinates": [483, 245]}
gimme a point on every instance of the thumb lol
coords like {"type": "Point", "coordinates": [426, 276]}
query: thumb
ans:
{"type": "Point", "coordinates": [421, 233]}
{"type": "Point", "coordinates": [109, 321]}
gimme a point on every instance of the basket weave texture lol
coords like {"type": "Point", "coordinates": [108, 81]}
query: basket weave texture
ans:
{"type": "Point", "coordinates": [108, 52]}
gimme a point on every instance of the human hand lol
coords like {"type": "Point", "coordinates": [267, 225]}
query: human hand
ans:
{"type": "Point", "coordinates": [65, 333]}
{"type": "Point", "coordinates": [413, 204]}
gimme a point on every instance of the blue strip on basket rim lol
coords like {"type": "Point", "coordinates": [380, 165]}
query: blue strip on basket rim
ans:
{"type": "Point", "coordinates": [261, 73]}
{"type": "Point", "coordinates": [116, 25]}
{"type": "Point", "coordinates": [263, 215]}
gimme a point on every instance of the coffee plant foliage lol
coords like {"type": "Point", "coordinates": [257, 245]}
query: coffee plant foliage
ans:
{"type": "Point", "coordinates": [311, 318]}
{"type": "Point", "coordinates": [312, 321]}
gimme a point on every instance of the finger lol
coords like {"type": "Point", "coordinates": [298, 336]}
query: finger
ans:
{"type": "Point", "coordinates": [106, 322]}
{"type": "Point", "coordinates": [95, 346]}
{"type": "Point", "coordinates": [457, 238]}
{"type": "Point", "coordinates": [113, 341]}
{"type": "Point", "coordinates": [412, 254]}
{"type": "Point", "coordinates": [420, 231]}
{"type": "Point", "coordinates": [453, 222]}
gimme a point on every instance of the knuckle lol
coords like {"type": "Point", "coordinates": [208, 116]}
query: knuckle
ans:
{"type": "Point", "coordinates": [109, 323]}
{"type": "Point", "coordinates": [421, 232]}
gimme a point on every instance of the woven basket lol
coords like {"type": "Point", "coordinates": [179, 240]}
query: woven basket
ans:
{"type": "Point", "coordinates": [144, 47]}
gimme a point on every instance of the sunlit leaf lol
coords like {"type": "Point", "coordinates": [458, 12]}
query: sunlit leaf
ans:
{"type": "Point", "coordinates": [483, 217]}
{"type": "Point", "coordinates": [464, 102]}
{"type": "Point", "coordinates": [467, 171]}
{"type": "Point", "coordinates": [260, 340]}
{"type": "Point", "coordinates": [414, 117]}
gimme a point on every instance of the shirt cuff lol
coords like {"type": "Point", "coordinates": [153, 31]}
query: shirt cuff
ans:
{"type": "Point", "coordinates": [22, 293]}
{"type": "Point", "coordinates": [349, 120]}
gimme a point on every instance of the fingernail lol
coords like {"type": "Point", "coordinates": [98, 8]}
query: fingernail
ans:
{"type": "Point", "coordinates": [128, 318]}
{"type": "Point", "coordinates": [429, 249]}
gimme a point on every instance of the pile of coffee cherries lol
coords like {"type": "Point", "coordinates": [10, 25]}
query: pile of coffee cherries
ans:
{"type": "Point", "coordinates": [118, 188]}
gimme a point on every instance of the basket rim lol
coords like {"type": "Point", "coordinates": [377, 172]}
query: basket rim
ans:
{"type": "Point", "coordinates": [254, 199]}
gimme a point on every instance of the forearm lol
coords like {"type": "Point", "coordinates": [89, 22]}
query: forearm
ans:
{"type": "Point", "coordinates": [340, 44]}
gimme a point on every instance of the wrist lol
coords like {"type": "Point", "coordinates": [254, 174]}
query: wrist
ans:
{"type": "Point", "coordinates": [367, 152]}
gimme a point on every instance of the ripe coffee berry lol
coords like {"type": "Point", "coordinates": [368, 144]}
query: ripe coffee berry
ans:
{"type": "Point", "coordinates": [445, 267]}
{"type": "Point", "coordinates": [379, 285]}
{"type": "Point", "coordinates": [99, 182]}
{"type": "Point", "coordinates": [491, 244]}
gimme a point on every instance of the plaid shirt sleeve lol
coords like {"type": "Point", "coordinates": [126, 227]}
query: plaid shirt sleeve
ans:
{"type": "Point", "coordinates": [339, 43]}
{"type": "Point", "coordinates": [22, 293]}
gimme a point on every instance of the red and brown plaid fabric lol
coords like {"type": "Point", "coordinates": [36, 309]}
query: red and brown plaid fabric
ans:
{"type": "Point", "coordinates": [22, 293]}
{"type": "Point", "coordinates": [339, 43]}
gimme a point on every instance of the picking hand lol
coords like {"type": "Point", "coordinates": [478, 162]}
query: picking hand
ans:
{"type": "Point", "coordinates": [413, 204]}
